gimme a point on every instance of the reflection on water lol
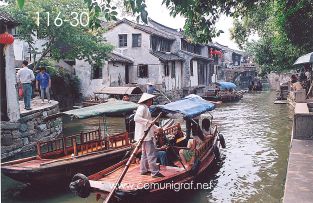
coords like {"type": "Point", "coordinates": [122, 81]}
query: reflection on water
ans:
{"type": "Point", "coordinates": [253, 166]}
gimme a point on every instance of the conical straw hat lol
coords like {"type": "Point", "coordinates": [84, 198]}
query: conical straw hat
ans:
{"type": "Point", "coordinates": [145, 97]}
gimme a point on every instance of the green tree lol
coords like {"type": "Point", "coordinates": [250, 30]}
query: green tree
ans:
{"type": "Point", "coordinates": [279, 25]}
{"type": "Point", "coordinates": [65, 36]}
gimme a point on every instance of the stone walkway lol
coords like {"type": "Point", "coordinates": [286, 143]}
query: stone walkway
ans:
{"type": "Point", "coordinates": [299, 181]}
{"type": "Point", "coordinates": [36, 105]}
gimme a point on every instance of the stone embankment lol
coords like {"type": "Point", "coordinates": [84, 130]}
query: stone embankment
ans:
{"type": "Point", "coordinates": [298, 187]}
{"type": "Point", "coordinates": [275, 79]}
{"type": "Point", "coordinates": [22, 136]}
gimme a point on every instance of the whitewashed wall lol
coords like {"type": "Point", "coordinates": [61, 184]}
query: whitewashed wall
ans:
{"type": "Point", "coordinates": [141, 55]}
{"type": "Point", "coordinates": [13, 108]}
{"type": "Point", "coordinates": [194, 78]}
{"type": "Point", "coordinates": [110, 76]}
{"type": "Point", "coordinates": [87, 85]}
{"type": "Point", "coordinates": [116, 73]}
{"type": "Point", "coordinates": [173, 83]}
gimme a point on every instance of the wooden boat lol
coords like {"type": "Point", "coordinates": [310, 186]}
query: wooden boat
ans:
{"type": "Point", "coordinates": [102, 95]}
{"type": "Point", "coordinates": [282, 94]}
{"type": "Point", "coordinates": [222, 91]}
{"type": "Point", "coordinates": [222, 96]}
{"type": "Point", "coordinates": [58, 160]}
{"type": "Point", "coordinates": [87, 152]}
{"type": "Point", "coordinates": [136, 187]}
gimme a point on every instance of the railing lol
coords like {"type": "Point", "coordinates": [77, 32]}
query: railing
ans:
{"type": "Point", "coordinates": [80, 144]}
{"type": "Point", "coordinates": [202, 150]}
{"type": "Point", "coordinates": [118, 140]}
{"type": "Point", "coordinates": [173, 130]}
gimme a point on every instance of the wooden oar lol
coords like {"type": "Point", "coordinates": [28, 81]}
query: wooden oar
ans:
{"type": "Point", "coordinates": [119, 180]}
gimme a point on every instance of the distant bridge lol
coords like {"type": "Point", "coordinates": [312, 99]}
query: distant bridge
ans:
{"type": "Point", "coordinates": [241, 75]}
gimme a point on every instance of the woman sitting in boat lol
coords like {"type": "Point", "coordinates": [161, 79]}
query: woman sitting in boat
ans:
{"type": "Point", "coordinates": [206, 128]}
{"type": "Point", "coordinates": [188, 155]}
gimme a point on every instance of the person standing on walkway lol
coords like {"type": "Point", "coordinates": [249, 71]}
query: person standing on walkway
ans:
{"type": "Point", "coordinates": [150, 88]}
{"type": "Point", "coordinates": [44, 80]}
{"type": "Point", "coordinates": [143, 120]}
{"type": "Point", "coordinates": [295, 84]}
{"type": "Point", "coordinates": [25, 76]}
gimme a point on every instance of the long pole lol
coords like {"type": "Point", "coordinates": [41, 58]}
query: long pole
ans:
{"type": "Point", "coordinates": [159, 91]}
{"type": "Point", "coordinates": [119, 180]}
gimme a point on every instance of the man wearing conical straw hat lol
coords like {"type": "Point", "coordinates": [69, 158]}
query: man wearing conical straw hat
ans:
{"type": "Point", "coordinates": [149, 153]}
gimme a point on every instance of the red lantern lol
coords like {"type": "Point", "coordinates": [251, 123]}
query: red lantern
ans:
{"type": "Point", "coordinates": [216, 52]}
{"type": "Point", "coordinates": [6, 38]}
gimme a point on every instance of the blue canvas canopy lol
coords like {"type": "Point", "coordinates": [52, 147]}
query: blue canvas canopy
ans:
{"type": "Point", "coordinates": [117, 107]}
{"type": "Point", "coordinates": [226, 85]}
{"type": "Point", "coordinates": [190, 106]}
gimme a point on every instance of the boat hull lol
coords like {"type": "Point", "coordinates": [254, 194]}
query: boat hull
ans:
{"type": "Point", "coordinates": [62, 172]}
{"type": "Point", "coordinates": [155, 194]}
{"type": "Point", "coordinates": [224, 98]}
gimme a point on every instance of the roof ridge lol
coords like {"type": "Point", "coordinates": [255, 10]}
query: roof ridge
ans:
{"type": "Point", "coordinates": [145, 27]}
{"type": "Point", "coordinates": [173, 29]}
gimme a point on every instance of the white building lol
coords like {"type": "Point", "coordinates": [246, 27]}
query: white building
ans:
{"type": "Point", "coordinates": [114, 72]}
{"type": "Point", "coordinates": [196, 67]}
{"type": "Point", "coordinates": [153, 52]}
{"type": "Point", "coordinates": [10, 110]}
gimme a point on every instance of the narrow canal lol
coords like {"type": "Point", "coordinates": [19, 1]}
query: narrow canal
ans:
{"type": "Point", "coordinates": [252, 169]}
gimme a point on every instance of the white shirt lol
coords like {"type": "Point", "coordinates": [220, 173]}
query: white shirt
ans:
{"type": "Point", "coordinates": [141, 119]}
{"type": "Point", "coordinates": [25, 75]}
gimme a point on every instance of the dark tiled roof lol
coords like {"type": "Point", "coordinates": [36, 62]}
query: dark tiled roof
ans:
{"type": "Point", "coordinates": [165, 28]}
{"type": "Point", "coordinates": [167, 56]}
{"type": "Point", "coordinates": [7, 19]}
{"type": "Point", "coordinates": [196, 56]}
{"type": "Point", "coordinates": [113, 57]}
{"type": "Point", "coordinates": [147, 29]}
{"type": "Point", "coordinates": [226, 48]}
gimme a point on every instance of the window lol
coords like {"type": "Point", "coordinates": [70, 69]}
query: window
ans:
{"type": "Point", "coordinates": [191, 67]}
{"type": "Point", "coordinates": [122, 40]}
{"type": "Point", "coordinates": [136, 40]}
{"type": "Point", "coordinates": [173, 69]}
{"type": "Point", "coordinates": [166, 69]}
{"type": "Point", "coordinates": [96, 72]}
{"type": "Point", "coordinates": [142, 71]}
{"type": "Point", "coordinates": [193, 48]}
{"type": "Point", "coordinates": [160, 44]}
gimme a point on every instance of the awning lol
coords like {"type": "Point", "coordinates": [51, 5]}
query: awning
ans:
{"type": "Point", "coordinates": [196, 56]}
{"type": "Point", "coordinates": [167, 56]}
{"type": "Point", "coordinates": [226, 85]}
{"type": "Point", "coordinates": [117, 107]}
{"type": "Point", "coordinates": [307, 58]}
{"type": "Point", "coordinates": [190, 106]}
{"type": "Point", "coordinates": [114, 57]}
{"type": "Point", "coordinates": [120, 90]}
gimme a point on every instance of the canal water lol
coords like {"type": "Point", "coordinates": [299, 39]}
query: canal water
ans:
{"type": "Point", "coordinates": [252, 169]}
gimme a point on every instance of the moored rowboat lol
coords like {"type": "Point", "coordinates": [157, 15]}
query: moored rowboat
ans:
{"type": "Point", "coordinates": [59, 159]}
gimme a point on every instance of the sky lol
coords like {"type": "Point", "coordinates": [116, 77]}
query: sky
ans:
{"type": "Point", "coordinates": [160, 14]}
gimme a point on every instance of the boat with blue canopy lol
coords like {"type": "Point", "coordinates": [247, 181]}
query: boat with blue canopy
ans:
{"type": "Point", "coordinates": [203, 145]}
{"type": "Point", "coordinates": [222, 91]}
{"type": "Point", "coordinates": [189, 107]}
{"type": "Point", "coordinates": [226, 85]}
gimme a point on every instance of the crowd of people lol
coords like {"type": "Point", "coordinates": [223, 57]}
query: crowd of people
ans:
{"type": "Point", "coordinates": [301, 81]}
